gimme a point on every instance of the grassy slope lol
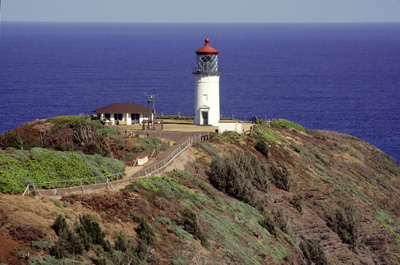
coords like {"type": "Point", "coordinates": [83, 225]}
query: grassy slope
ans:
{"type": "Point", "coordinates": [325, 167]}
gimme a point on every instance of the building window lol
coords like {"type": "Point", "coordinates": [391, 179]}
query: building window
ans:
{"type": "Point", "coordinates": [118, 116]}
{"type": "Point", "coordinates": [205, 97]}
{"type": "Point", "coordinates": [107, 116]}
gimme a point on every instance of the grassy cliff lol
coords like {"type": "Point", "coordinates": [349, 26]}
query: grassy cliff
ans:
{"type": "Point", "coordinates": [285, 195]}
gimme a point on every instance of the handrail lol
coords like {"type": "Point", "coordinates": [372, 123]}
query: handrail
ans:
{"type": "Point", "coordinates": [156, 168]}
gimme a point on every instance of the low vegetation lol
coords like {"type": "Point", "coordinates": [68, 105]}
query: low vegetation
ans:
{"type": "Point", "coordinates": [87, 236]}
{"type": "Point", "coordinates": [62, 133]}
{"type": "Point", "coordinates": [345, 220]}
{"type": "Point", "coordinates": [262, 147]}
{"type": "Point", "coordinates": [228, 137]}
{"type": "Point", "coordinates": [19, 168]}
{"type": "Point", "coordinates": [239, 177]}
{"type": "Point", "coordinates": [282, 123]}
{"type": "Point", "coordinates": [313, 252]}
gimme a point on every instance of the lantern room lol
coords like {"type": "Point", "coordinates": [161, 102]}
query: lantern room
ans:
{"type": "Point", "coordinates": [207, 59]}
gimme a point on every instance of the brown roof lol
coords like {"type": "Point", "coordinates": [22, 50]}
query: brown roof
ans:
{"type": "Point", "coordinates": [123, 108]}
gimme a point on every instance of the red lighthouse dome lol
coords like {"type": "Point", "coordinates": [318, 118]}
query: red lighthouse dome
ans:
{"type": "Point", "coordinates": [207, 49]}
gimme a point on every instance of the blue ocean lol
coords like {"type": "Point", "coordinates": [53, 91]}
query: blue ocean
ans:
{"type": "Point", "coordinates": [339, 77]}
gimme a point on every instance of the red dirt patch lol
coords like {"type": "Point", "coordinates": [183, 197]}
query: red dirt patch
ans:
{"type": "Point", "coordinates": [8, 248]}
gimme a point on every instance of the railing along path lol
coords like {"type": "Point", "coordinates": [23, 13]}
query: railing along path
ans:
{"type": "Point", "coordinates": [156, 168]}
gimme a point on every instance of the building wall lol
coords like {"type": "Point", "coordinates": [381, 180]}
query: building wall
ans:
{"type": "Point", "coordinates": [207, 94]}
{"type": "Point", "coordinates": [230, 126]}
{"type": "Point", "coordinates": [125, 117]}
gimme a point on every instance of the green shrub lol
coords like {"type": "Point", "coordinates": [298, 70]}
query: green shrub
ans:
{"type": "Point", "coordinates": [313, 252]}
{"type": "Point", "coordinates": [107, 131]}
{"type": "Point", "coordinates": [280, 176]}
{"type": "Point", "coordinates": [268, 224]}
{"type": "Point", "coordinates": [260, 122]}
{"type": "Point", "coordinates": [254, 170]}
{"type": "Point", "coordinates": [282, 123]}
{"type": "Point", "coordinates": [146, 233]}
{"type": "Point", "coordinates": [262, 147]}
{"type": "Point", "coordinates": [266, 133]}
{"type": "Point", "coordinates": [129, 155]}
{"type": "Point", "coordinates": [226, 176]}
{"type": "Point", "coordinates": [208, 147]}
{"type": "Point", "coordinates": [176, 259]}
{"type": "Point", "coordinates": [164, 220]}
{"type": "Point", "coordinates": [68, 242]}
{"type": "Point", "coordinates": [179, 231]}
{"type": "Point", "coordinates": [239, 177]}
{"type": "Point", "coordinates": [71, 121]}
{"type": "Point", "coordinates": [280, 220]}
{"type": "Point", "coordinates": [346, 222]}
{"type": "Point", "coordinates": [297, 201]}
{"type": "Point", "coordinates": [59, 168]}
{"type": "Point", "coordinates": [42, 245]}
{"type": "Point", "coordinates": [122, 244]}
{"type": "Point", "coordinates": [90, 232]}
{"type": "Point", "coordinates": [228, 137]}
{"type": "Point", "coordinates": [147, 237]}
{"type": "Point", "coordinates": [59, 224]}
{"type": "Point", "coordinates": [191, 225]}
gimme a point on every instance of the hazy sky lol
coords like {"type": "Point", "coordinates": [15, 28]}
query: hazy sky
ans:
{"type": "Point", "coordinates": [202, 10]}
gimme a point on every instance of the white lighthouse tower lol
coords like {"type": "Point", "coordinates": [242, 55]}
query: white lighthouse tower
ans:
{"type": "Point", "coordinates": [206, 110]}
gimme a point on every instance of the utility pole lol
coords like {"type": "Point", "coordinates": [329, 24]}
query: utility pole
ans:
{"type": "Point", "coordinates": [152, 98]}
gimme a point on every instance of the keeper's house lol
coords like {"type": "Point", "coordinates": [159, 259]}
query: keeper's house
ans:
{"type": "Point", "coordinates": [124, 114]}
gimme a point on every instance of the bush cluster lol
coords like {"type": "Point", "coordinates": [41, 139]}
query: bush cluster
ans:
{"type": "Point", "coordinates": [268, 224]}
{"type": "Point", "coordinates": [262, 147]}
{"type": "Point", "coordinates": [280, 176]}
{"type": "Point", "coordinates": [68, 133]}
{"type": "Point", "coordinates": [297, 201]}
{"type": "Point", "coordinates": [18, 168]}
{"type": "Point", "coordinates": [346, 222]}
{"type": "Point", "coordinates": [313, 252]}
{"type": "Point", "coordinates": [278, 220]}
{"type": "Point", "coordinates": [239, 177]}
{"type": "Point", "coordinates": [190, 224]}
{"type": "Point", "coordinates": [88, 236]}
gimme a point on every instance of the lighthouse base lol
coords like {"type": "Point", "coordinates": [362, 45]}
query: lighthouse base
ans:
{"type": "Point", "coordinates": [207, 99]}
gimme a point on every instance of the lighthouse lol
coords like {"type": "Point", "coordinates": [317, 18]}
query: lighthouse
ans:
{"type": "Point", "coordinates": [206, 110]}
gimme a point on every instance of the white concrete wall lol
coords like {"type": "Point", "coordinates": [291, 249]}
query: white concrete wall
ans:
{"type": "Point", "coordinates": [232, 126]}
{"type": "Point", "coordinates": [207, 94]}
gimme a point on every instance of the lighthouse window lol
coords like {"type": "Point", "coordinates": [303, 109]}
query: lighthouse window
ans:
{"type": "Point", "coordinates": [206, 59]}
{"type": "Point", "coordinates": [205, 97]}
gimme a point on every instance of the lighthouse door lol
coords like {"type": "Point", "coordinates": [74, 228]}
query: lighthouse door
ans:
{"type": "Point", "coordinates": [204, 115]}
